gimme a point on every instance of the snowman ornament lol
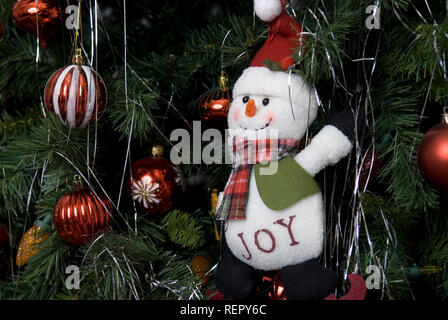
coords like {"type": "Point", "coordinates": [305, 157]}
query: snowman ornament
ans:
{"type": "Point", "coordinates": [271, 212]}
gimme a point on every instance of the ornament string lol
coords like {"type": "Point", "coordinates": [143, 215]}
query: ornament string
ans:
{"type": "Point", "coordinates": [78, 34]}
{"type": "Point", "coordinates": [144, 84]}
{"type": "Point", "coordinates": [128, 148]}
{"type": "Point", "coordinates": [428, 91]}
{"type": "Point", "coordinates": [441, 61]}
{"type": "Point", "coordinates": [348, 236]}
{"type": "Point", "coordinates": [27, 215]}
{"type": "Point", "coordinates": [93, 61]}
{"type": "Point", "coordinates": [222, 48]}
{"type": "Point", "coordinates": [120, 280]}
{"type": "Point", "coordinates": [396, 10]}
{"type": "Point", "coordinates": [172, 286]}
{"type": "Point", "coordinates": [170, 101]}
{"type": "Point", "coordinates": [37, 33]}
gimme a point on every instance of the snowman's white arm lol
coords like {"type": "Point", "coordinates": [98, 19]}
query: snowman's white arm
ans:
{"type": "Point", "coordinates": [328, 147]}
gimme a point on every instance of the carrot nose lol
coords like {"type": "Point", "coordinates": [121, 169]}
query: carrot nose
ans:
{"type": "Point", "coordinates": [251, 108]}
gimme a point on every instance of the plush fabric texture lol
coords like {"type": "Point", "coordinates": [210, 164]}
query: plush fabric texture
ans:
{"type": "Point", "coordinates": [260, 240]}
{"type": "Point", "coordinates": [289, 239]}
{"type": "Point", "coordinates": [270, 240]}
{"type": "Point", "coordinates": [289, 115]}
{"type": "Point", "coordinates": [268, 10]}
{"type": "Point", "coordinates": [246, 154]}
{"type": "Point", "coordinates": [290, 183]}
{"type": "Point", "coordinates": [284, 35]}
{"type": "Point", "coordinates": [308, 281]}
{"type": "Point", "coordinates": [328, 147]}
{"type": "Point", "coordinates": [233, 278]}
{"type": "Point", "coordinates": [349, 124]}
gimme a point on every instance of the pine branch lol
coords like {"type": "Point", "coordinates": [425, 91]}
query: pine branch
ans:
{"type": "Point", "coordinates": [133, 115]}
{"type": "Point", "coordinates": [44, 274]}
{"type": "Point", "coordinates": [183, 229]}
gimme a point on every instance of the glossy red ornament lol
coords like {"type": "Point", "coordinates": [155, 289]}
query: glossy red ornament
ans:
{"type": "Point", "coordinates": [76, 94]}
{"type": "Point", "coordinates": [4, 252]}
{"type": "Point", "coordinates": [38, 17]}
{"type": "Point", "coordinates": [371, 165]}
{"type": "Point", "coordinates": [432, 156]}
{"type": "Point", "coordinates": [155, 183]}
{"type": "Point", "coordinates": [81, 214]}
{"type": "Point", "coordinates": [1, 29]}
{"type": "Point", "coordinates": [214, 104]}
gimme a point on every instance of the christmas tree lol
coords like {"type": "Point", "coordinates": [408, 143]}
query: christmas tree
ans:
{"type": "Point", "coordinates": [88, 183]}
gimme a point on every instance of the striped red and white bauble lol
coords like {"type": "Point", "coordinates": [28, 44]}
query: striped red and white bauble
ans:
{"type": "Point", "coordinates": [77, 95]}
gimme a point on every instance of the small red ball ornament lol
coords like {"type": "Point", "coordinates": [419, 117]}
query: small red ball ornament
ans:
{"type": "Point", "coordinates": [432, 155]}
{"type": "Point", "coordinates": [38, 17]}
{"type": "Point", "coordinates": [76, 94]}
{"type": "Point", "coordinates": [214, 104]}
{"type": "Point", "coordinates": [81, 214]}
{"type": "Point", "coordinates": [155, 183]}
{"type": "Point", "coordinates": [371, 165]}
{"type": "Point", "coordinates": [4, 252]}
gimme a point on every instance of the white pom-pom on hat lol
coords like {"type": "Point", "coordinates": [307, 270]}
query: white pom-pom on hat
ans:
{"type": "Point", "coordinates": [268, 10]}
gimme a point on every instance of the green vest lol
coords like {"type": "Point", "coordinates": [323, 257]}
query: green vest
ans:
{"type": "Point", "coordinates": [288, 185]}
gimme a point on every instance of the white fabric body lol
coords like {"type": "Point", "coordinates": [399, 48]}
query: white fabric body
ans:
{"type": "Point", "coordinates": [267, 10]}
{"type": "Point", "coordinates": [300, 234]}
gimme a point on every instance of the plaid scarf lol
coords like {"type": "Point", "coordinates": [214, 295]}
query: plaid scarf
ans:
{"type": "Point", "coordinates": [245, 154]}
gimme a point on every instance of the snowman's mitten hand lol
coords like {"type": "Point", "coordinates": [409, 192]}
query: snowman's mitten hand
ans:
{"type": "Point", "coordinates": [350, 125]}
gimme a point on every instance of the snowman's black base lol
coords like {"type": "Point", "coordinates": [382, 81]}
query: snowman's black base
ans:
{"type": "Point", "coordinates": [304, 281]}
{"type": "Point", "coordinates": [234, 278]}
{"type": "Point", "coordinates": [308, 280]}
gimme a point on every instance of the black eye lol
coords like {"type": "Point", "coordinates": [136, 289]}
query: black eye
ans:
{"type": "Point", "coordinates": [245, 99]}
{"type": "Point", "coordinates": [265, 101]}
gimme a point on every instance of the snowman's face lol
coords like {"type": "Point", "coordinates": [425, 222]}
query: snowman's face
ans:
{"type": "Point", "coordinates": [254, 115]}
{"type": "Point", "coordinates": [269, 104]}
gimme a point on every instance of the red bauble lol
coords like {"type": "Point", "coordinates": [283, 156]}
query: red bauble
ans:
{"type": "Point", "coordinates": [77, 95]}
{"type": "Point", "coordinates": [46, 12]}
{"type": "Point", "coordinates": [80, 215]}
{"type": "Point", "coordinates": [4, 252]}
{"type": "Point", "coordinates": [1, 29]}
{"type": "Point", "coordinates": [433, 156]}
{"type": "Point", "coordinates": [155, 184]}
{"type": "Point", "coordinates": [214, 104]}
{"type": "Point", "coordinates": [371, 165]}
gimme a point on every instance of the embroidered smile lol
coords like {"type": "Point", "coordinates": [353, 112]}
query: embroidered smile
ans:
{"type": "Point", "coordinates": [265, 126]}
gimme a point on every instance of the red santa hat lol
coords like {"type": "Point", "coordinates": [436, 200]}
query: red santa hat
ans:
{"type": "Point", "coordinates": [284, 36]}
{"type": "Point", "coordinates": [284, 33]}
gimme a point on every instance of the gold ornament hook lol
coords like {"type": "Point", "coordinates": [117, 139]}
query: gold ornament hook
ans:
{"type": "Point", "coordinates": [223, 81]}
{"type": "Point", "coordinates": [77, 57]}
{"type": "Point", "coordinates": [157, 151]}
{"type": "Point", "coordinates": [445, 115]}
{"type": "Point", "coordinates": [77, 183]}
